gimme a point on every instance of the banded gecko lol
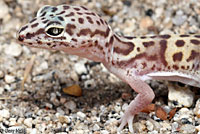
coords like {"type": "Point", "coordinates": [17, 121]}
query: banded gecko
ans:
{"type": "Point", "coordinates": [78, 31]}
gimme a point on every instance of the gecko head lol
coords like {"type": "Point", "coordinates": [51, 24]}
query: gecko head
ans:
{"type": "Point", "coordinates": [63, 27]}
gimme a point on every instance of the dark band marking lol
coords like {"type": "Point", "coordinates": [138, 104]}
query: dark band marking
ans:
{"type": "Point", "coordinates": [84, 8]}
{"type": "Point", "coordinates": [143, 37]}
{"type": "Point", "coordinates": [43, 14]}
{"type": "Point", "coordinates": [70, 14]}
{"type": "Point", "coordinates": [166, 36]}
{"type": "Point", "coordinates": [102, 21]}
{"type": "Point", "coordinates": [75, 40]}
{"type": "Point", "coordinates": [77, 9]}
{"type": "Point", "coordinates": [86, 31]}
{"type": "Point", "coordinates": [130, 37]}
{"type": "Point", "coordinates": [193, 55]}
{"type": "Point", "coordinates": [60, 18]}
{"type": "Point", "coordinates": [23, 28]}
{"type": "Point", "coordinates": [54, 9]}
{"type": "Point", "coordinates": [138, 49]}
{"type": "Point", "coordinates": [89, 19]}
{"type": "Point", "coordinates": [81, 20]}
{"type": "Point", "coordinates": [69, 29]}
{"type": "Point", "coordinates": [163, 47]}
{"type": "Point", "coordinates": [45, 21]}
{"type": "Point", "coordinates": [125, 50]}
{"type": "Point", "coordinates": [62, 12]}
{"type": "Point", "coordinates": [175, 67]}
{"type": "Point", "coordinates": [195, 42]}
{"type": "Point", "coordinates": [98, 23]}
{"type": "Point", "coordinates": [93, 14]}
{"type": "Point", "coordinates": [180, 43]}
{"type": "Point", "coordinates": [65, 7]}
{"type": "Point", "coordinates": [197, 36]}
{"type": "Point", "coordinates": [72, 19]}
{"type": "Point", "coordinates": [177, 56]}
{"type": "Point", "coordinates": [184, 35]}
{"type": "Point", "coordinates": [79, 13]}
{"type": "Point", "coordinates": [148, 44]}
{"type": "Point", "coordinates": [33, 20]}
{"type": "Point", "coordinates": [35, 25]}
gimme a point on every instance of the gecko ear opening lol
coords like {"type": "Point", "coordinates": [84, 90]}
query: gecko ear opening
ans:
{"type": "Point", "coordinates": [43, 9]}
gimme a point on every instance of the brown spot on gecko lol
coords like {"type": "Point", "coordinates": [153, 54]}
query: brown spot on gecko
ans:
{"type": "Point", "coordinates": [148, 44]}
{"type": "Point", "coordinates": [193, 55]}
{"type": "Point", "coordinates": [65, 7]}
{"type": "Point", "coordinates": [98, 23]}
{"type": "Point", "coordinates": [180, 43]}
{"type": "Point", "coordinates": [72, 19]}
{"type": "Point", "coordinates": [62, 12]}
{"type": "Point", "coordinates": [166, 36]}
{"type": "Point", "coordinates": [35, 25]}
{"type": "Point", "coordinates": [89, 19]}
{"type": "Point", "coordinates": [195, 42]}
{"type": "Point", "coordinates": [138, 49]}
{"type": "Point", "coordinates": [60, 18]}
{"type": "Point", "coordinates": [45, 21]}
{"type": "Point", "coordinates": [91, 13]}
{"type": "Point", "coordinates": [79, 13]}
{"type": "Point", "coordinates": [143, 37]}
{"type": "Point", "coordinates": [163, 47]}
{"type": "Point", "coordinates": [23, 28]}
{"type": "Point", "coordinates": [125, 48]}
{"type": "Point", "coordinates": [87, 31]}
{"type": "Point", "coordinates": [77, 9]}
{"type": "Point", "coordinates": [175, 67]}
{"type": "Point", "coordinates": [33, 20]}
{"type": "Point", "coordinates": [182, 67]}
{"type": "Point", "coordinates": [54, 9]}
{"type": "Point", "coordinates": [130, 37]}
{"type": "Point", "coordinates": [70, 14]}
{"type": "Point", "coordinates": [102, 21]}
{"type": "Point", "coordinates": [184, 35]}
{"type": "Point", "coordinates": [84, 8]}
{"type": "Point", "coordinates": [69, 29]}
{"type": "Point", "coordinates": [154, 36]}
{"type": "Point", "coordinates": [197, 36]}
{"type": "Point", "coordinates": [75, 40]}
{"type": "Point", "coordinates": [177, 56]}
{"type": "Point", "coordinates": [81, 20]}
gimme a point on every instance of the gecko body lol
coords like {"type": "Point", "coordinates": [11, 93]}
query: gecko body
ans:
{"type": "Point", "coordinates": [78, 31]}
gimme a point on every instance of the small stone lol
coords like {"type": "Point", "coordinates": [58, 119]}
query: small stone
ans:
{"type": "Point", "coordinates": [149, 125]}
{"type": "Point", "coordinates": [89, 84]}
{"type": "Point", "coordinates": [12, 121]}
{"type": "Point", "coordinates": [4, 11]}
{"type": "Point", "coordinates": [184, 115]}
{"type": "Point", "coordinates": [81, 115]}
{"type": "Point", "coordinates": [70, 105]}
{"type": "Point", "coordinates": [9, 79]}
{"type": "Point", "coordinates": [1, 90]}
{"type": "Point", "coordinates": [13, 49]}
{"type": "Point", "coordinates": [1, 74]}
{"type": "Point", "coordinates": [28, 122]}
{"type": "Point", "coordinates": [197, 108]}
{"type": "Point", "coordinates": [183, 96]}
{"type": "Point", "coordinates": [64, 119]}
{"type": "Point", "coordinates": [198, 128]}
{"type": "Point", "coordinates": [179, 19]}
{"type": "Point", "coordinates": [80, 68]}
{"type": "Point", "coordinates": [74, 90]}
{"type": "Point", "coordinates": [187, 129]}
{"type": "Point", "coordinates": [96, 127]}
{"type": "Point", "coordinates": [146, 22]}
{"type": "Point", "coordinates": [43, 65]}
{"type": "Point", "coordinates": [5, 113]}
{"type": "Point", "coordinates": [104, 132]}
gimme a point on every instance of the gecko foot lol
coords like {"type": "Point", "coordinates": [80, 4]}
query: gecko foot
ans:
{"type": "Point", "coordinates": [126, 118]}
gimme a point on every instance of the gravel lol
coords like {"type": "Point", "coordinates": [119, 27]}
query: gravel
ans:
{"type": "Point", "coordinates": [42, 107]}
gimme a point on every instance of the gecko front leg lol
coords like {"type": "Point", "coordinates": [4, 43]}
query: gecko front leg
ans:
{"type": "Point", "coordinates": [144, 97]}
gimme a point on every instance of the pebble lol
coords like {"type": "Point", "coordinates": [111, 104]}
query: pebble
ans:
{"type": "Point", "coordinates": [5, 113]}
{"type": "Point", "coordinates": [13, 49]}
{"type": "Point", "coordinates": [146, 22]}
{"type": "Point", "coordinates": [28, 122]}
{"type": "Point", "coordinates": [96, 127]}
{"type": "Point", "coordinates": [197, 108]}
{"type": "Point", "coordinates": [81, 115]}
{"type": "Point", "coordinates": [149, 125]}
{"type": "Point", "coordinates": [9, 79]}
{"type": "Point", "coordinates": [1, 74]}
{"type": "Point", "coordinates": [80, 68]}
{"type": "Point", "coordinates": [183, 96]}
{"type": "Point", "coordinates": [184, 115]}
{"type": "Point", "coordinates": [70, 105]}
{"type": "Point", "coordinates": [1, 90]}
{"type": "Point", "coordinates": [4, 11]}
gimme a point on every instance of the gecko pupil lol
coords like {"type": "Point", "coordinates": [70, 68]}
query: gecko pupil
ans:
{"type": "Point", "coordinates": [54, 31]}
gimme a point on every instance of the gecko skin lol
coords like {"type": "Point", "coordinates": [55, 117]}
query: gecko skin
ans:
{"type": "Point", "coordinates": [78, 31]}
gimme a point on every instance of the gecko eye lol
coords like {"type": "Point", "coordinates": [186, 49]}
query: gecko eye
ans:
{"type": "Point", "coordinates": [54, 31]}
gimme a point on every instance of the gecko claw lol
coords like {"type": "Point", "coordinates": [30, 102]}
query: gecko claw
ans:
{"type": "Point", "coordinates": [126, 118]}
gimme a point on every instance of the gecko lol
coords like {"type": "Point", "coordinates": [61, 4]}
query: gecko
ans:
{"type": "Point", "coordinates": [79, 31]}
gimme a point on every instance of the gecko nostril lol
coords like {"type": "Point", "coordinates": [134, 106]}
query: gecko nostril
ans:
{"type": "Point", "coordinates": [21, 38]}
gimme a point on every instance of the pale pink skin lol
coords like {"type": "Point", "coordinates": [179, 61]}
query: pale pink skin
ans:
{"type": "Point", "coordinates": [133, 60]}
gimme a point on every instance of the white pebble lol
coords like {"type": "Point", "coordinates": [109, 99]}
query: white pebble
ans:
{"type": "Point", "coordinates": [182, 95]}
{"type": "Point", "coordinates": [81, 115]}
{"type": "Point", "coordinates": [9, 79]}
{"type": "Point", "coordinates": [1, 90]}
{"type": "Point", "coordinates": [80, 68]}
{"type": "Point", "coordinates": [96, 127]}
{"type": "Point", "coordinates": [5, 113]}
{"type": "Point", "coordinates": [70, 105]}
{"type": "Point", "coordinates": [13, 49]}
{"type": "Point", "coordinates": [28, 122]}
{"type": "Point", "coordinates": [1, 74]}
{"type": "Point", "coordinates": [104, 132]}
{"type": "Point", "coordinates": [4, 10]}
